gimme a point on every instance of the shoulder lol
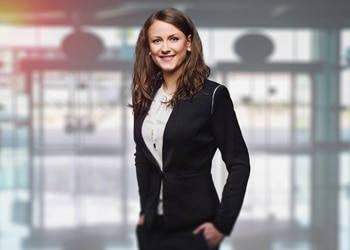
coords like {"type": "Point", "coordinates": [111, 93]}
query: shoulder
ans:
{"type": "Point", "coordinates": [212, 89]}
{"type": "Point", "coordinates": [205, 97]}
{"type": "Point", "coordinates": [210, 86]}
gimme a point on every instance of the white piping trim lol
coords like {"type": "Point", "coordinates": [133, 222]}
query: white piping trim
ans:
{"type": "Point", "coordinates": [212, 99]}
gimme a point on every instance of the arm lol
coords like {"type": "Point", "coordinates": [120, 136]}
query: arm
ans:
{"type": "Point", "coordinates": [235, 155]}
{"type": "Point", "coordinates": [142, 175]}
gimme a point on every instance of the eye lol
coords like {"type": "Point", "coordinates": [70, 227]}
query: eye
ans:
{"type": "Point", "coordinates": [156, 41]}
{"type": "Point", "coordinates": [174, 39]}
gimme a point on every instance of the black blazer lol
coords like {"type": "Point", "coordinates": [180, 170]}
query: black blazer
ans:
{"type": "Point", "coordinates": [194, 131]}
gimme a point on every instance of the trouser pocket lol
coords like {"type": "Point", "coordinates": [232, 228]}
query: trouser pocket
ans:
{"type": "Point", "coordinates": [201, 241]}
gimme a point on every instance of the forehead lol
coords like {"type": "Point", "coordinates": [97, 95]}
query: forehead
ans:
{"type": "Point", "coordinates": [160, 28]}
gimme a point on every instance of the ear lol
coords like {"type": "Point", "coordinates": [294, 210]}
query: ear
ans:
{"type": "Point", "coordinates": [189, 41]}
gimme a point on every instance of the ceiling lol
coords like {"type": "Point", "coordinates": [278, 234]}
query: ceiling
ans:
{"type": "Point", "coordinates": [204, 13]}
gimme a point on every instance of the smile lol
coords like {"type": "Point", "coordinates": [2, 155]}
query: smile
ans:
{"type": "Point", "coordinates": [167, 58]}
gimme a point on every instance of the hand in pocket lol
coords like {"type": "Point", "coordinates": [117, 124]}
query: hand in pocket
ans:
{"type": "Point", "coordinates": [211, 234]}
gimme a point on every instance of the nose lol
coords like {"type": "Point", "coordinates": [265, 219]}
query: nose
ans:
{"type": "Point", "coordinates": [165, 48]}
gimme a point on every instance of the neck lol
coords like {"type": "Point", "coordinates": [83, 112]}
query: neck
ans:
{"type": "Point", "coordinates": [170, 84]}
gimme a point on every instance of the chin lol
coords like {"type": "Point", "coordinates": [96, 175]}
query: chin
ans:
{"type": "Point", "coordinates": [167, 70]}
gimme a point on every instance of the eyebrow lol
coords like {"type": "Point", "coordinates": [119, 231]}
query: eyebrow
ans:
{"type": "Point", "coordinates": [175, 34]}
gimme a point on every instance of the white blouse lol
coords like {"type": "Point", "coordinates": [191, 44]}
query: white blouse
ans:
{"type": "Point", "coordinates": [153, 129]}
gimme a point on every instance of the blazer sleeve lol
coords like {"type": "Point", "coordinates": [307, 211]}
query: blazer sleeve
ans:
{"type": "Point", "coordinates": [235, 155]}
{"type": "Point", "coordinates": [142, 175]}
{"type": "Point", "coordinates": [142, 167]}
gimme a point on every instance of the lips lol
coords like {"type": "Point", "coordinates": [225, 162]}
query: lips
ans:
{"type": "Point", "coordinates": [167, 58]}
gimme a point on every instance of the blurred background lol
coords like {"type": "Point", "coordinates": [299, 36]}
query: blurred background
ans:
{"type": "Point", "coordinates": [67, 178]}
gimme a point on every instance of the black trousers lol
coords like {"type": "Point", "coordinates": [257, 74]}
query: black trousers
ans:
{"type": "Point", "coordinates": [157, 239]}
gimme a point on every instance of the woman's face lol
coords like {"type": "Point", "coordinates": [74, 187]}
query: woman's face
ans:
{"type": "Point", "coordinates": [168, 47]}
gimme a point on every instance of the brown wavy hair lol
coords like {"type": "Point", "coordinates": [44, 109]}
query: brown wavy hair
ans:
{"type": "Point", "coordinates": [147, 75]}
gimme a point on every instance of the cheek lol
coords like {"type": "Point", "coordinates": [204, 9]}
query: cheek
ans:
{"type": "Point", "coordinates": [153, 54]}
{"type": "Point", "coordinates": [181, 48]}
{"type": "Point", "coordinates": [182, 52]}
{"type": "Point", "coordinates": [152, 49]}
{"type": "Point", "coordinates": [156, 60]}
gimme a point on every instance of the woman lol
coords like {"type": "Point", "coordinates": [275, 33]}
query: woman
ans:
{"type": "Point", "coordinates": [180, 119]}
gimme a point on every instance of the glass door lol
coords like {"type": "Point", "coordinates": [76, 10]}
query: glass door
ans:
{"type": "Point", "coordinates": [81, 143]}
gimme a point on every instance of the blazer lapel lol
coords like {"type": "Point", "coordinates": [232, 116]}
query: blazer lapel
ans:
{"type": "Point", "coordinates": [168, 130]}
{"type": "Point", "coordinates": [138, 129]}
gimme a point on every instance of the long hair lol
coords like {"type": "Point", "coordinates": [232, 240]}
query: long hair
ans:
{"type": "Point", "coordinates": [147, 75]}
